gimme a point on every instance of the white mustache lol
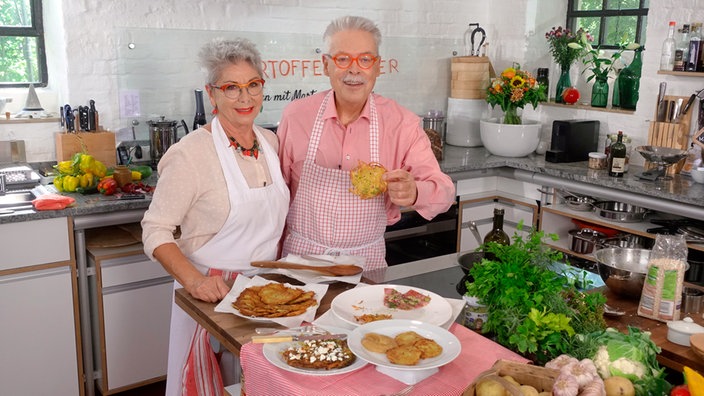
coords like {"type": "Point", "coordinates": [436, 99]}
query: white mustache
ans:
{"type": "Point", "coordinates": [353, 80]}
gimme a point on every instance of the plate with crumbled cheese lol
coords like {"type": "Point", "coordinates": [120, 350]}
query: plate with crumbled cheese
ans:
{"type": "Point", "coordinates": [314, 357]}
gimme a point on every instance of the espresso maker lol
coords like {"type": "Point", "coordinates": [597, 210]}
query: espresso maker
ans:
{"type": "Point", "coordinates": [162, 134]}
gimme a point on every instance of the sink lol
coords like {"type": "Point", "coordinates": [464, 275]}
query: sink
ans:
{"type": "Point", "coordinates": [16, 200]}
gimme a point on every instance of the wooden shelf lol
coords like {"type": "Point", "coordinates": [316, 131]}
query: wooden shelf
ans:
{"type": "Point", "coordinates": [587, 106]}
{"type": "Point", "coordinates": [681, 73]}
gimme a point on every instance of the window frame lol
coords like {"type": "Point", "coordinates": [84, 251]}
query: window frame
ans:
{"type": "Point", "coordinates": [36, 30]}
{"type": "Point", "coordinates": [641, 12]}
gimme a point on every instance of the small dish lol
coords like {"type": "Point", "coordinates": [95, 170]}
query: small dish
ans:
{"type": "Point", "coordinates": [679, 331]}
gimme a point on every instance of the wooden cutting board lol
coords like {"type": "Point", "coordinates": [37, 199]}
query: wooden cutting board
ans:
{"type": "Point", "coordinates": [107, 237]}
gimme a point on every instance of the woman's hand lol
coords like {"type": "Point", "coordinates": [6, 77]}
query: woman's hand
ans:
{"type": "Point", "coordinates": [208, 288]}
{"type": "Point", "coordinates": [401, 187]}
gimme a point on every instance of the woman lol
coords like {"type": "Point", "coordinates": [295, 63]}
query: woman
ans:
{"type": "Point", "coordinates": [222, 186]}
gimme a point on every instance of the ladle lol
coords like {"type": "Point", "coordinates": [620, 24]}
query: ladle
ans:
{"type": "Point", "coordinates": [330, 270]}
{"type": "Point", "coordinates": [473, 227]}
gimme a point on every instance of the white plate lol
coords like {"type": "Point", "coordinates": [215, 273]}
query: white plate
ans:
{"type": "Point", "coordinates": [272, 353]}
{"type": "Point", "coordinates": [451, 346]}
{"type": "Point", "coordinates": [370, 300]}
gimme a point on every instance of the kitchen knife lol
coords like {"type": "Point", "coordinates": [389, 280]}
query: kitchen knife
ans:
{"type": "Point", "coordinates": [688, 104]}
{"type": "Point", "coordinates": [662, 103]}
{"type": "Point", "coordinates": [670, 110]}
{"type": "Point", "coordinates": [294, 337]}
{"type": "Point", "coordinates": [92, 116]}
{"type": "Point", "coordinates": [678, 109]}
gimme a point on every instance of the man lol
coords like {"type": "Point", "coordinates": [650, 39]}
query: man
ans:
{"type": "Point", "coordinates": [322, 137]}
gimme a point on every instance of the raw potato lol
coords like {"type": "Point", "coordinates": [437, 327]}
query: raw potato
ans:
{"type": "Point", "coordinates": [529, 390]}
{"type": "Point", "coordinates": [510, 379]}
{"type": "Point", "coordinates": [619, 386]}
{"type": "Point", "coordinates": [545, 394]}
{"type": "Point", "coordinates": [489, 388]}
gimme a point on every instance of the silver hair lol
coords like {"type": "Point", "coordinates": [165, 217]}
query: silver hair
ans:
{"type": "Point", "coordinates": [350, 22]}
{"type": "Point", "coordinates": [220, 53]}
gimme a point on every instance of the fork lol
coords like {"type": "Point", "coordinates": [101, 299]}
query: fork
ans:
{"type": "Point", "coordinates": [403, 392]}
{"type": "Point", "coordinates": [308, 329]}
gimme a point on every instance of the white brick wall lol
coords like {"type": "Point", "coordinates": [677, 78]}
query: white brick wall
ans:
{"type": "Point", "coordinates": [83, 44]}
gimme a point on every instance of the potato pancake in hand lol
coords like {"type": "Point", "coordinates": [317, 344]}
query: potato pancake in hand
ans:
{"type": "Point", "coordinates": [274, 300]}
{"type": "Point", "coordinates": [366, 180]}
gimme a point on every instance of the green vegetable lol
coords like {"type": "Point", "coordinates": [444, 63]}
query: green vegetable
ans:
{"type": "Point", "coordinates": [632, 355]}
{"type": "Point", "coordinates": [531, 308]}
{"type": "Point", "coordinates": [145, 170]}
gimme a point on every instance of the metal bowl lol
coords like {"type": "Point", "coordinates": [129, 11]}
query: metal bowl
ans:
{"type": "Point", "coordinates": [623, 270]}
{"type": "Point", "coordinates": [661, 155]}
{"type": "Point", "coordinates": [580, 203]}
{"type": "Point", "coordinates": [620, 211]}
{"type": "Point", "coordinates": [467, 260]}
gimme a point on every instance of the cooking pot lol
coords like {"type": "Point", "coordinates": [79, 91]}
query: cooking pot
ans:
{"type": "Point", "coordinates": [584, 240]}
{"type": "Point", "coordinates": [620, 212]}
{"type": "Point", "coordinates": [163, 134]}
{"type": "Point", "coordinates": [626, 241]}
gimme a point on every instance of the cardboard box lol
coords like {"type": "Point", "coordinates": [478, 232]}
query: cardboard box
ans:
{"type": "Point", "coordinates": [101, 145]}
{"type": "Point", "coordinates": [541, 378]}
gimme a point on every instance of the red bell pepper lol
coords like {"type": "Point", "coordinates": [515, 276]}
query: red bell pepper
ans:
{"type": "Point", "coordinates": [107, 186]}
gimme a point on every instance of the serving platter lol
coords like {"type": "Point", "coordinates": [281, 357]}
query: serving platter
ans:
{"type": "Point", "coordinates": [273, 353]}
{"type": "Point", "coordinates": [451, 346]}
{"type": "Point", "coordinates": [370, 300]}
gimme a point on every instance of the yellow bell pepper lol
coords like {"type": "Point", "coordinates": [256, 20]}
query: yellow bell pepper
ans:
{"type": "Point", "coordinates": [70, 183]}
{"type": "Point", "coordinates": [58, 183]}
{"type": "Point", "coordinates": [85, 162]}
{"type": "Point", "coordinates": [99, 169]}
{"type": "Point", "coordinates": [136, 176]}
{"type": "Point", "coordinates": [65, 168]}
{"type": "Point", "coordinates": [695, 382]}
{"type": "Point", "coordinates": [86, 180]}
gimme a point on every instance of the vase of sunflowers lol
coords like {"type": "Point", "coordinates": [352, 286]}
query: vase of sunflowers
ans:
{"type": "Point", "coordinates": [510, 135]}
{"type": "Point", "coordinates": [565, 48]}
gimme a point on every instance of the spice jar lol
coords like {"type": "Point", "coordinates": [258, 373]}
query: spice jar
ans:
{"type": "Point", "coordinates": [597, 161]}
{"type": "Point", "coordinates": [122, 175]}
{"type": "Point", "coordinates": [475, 314]}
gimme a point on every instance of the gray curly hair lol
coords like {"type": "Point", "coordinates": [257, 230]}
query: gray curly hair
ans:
{"type": "Point", "coordinates": [220, 53]}
{"type": "Point", "coordinates": [350, 22]}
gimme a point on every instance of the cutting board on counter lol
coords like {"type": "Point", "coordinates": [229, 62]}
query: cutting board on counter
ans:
{"type": "Point", "coordinates": [114, 236]}
{"type": "Point", "coordinates": [101, 145]}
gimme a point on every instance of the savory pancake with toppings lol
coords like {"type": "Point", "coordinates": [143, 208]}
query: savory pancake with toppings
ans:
{"type": "Point", "coordinates": [366, 180]}
{"type": "Point", "coordinates": [274, 300]}
{"type": "Point", "coordinates": [319, 354]}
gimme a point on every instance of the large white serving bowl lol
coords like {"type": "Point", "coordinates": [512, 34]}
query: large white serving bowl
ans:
{"type": "Point", "coordinates": [697, 174]}
{"type": "Point", "coordinates": [508, 140]}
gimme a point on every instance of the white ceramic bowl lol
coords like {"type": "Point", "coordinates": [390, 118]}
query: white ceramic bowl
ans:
{"type": "Point", "coordinates": [508, 140]}
{"type": "Point", "coordinates": [680, 331]}
{"type": "Point", "coordinates": [698, 174]}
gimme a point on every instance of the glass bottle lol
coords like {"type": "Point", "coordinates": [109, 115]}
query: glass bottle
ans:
{"type": "Point", "coordinates": [617, 157]}
{"type": "Point", "coordinates": [667, 55]}
{"type": "Point", "coordinates": [616, 98]}
{"type": "Point", "coordinates": [694, 48]}
{"type": "Point", "coordinates": [542, 78]}
{"type": "Point", "coordinates": [629, 82]}
{"type": "Point", "coordinates": [600, 92]}
{"type": "Point", "coordinates": [682, 50]}
{"type": "Point", "coordinates": [497, 233]}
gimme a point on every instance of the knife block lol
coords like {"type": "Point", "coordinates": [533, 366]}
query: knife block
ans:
{"type": "Point", "coordinates": [101, 145]}
{"type": "Point", "coordinates": [670, 134]}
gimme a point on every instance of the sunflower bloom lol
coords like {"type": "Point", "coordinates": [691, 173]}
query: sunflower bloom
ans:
{"type": "Point", "coordinates": [517, 82]}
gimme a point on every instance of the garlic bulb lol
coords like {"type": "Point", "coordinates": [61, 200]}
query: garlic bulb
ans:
{"type": "Point", "coordinates": [565, 385]}
{"type": "Point", "coordinates": [560, 361]}
{"type": "Point", "coordinates": [582, 373]}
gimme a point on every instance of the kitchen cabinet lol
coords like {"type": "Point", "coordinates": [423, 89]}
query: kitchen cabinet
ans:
{"type": "Point", "coordinates": [130, 315]}
{"type": "Point", "coordinates": [39, 336]}
{"type": "Point", "coordinates": [479, 197]}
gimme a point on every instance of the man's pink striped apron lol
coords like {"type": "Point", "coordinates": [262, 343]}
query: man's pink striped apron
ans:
{"type": "Point", "coordinates": [325, 217]}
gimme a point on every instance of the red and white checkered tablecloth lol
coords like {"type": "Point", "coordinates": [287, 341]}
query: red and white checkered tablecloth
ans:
{"type": "Point", "coordinates": [478, 354]}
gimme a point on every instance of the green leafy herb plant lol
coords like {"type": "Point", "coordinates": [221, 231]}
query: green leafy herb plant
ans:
{"type": "Point", "coordinates": [532, 309]}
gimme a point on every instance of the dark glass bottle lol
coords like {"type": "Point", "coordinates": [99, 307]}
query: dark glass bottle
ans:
{"type": "Point", "coordinates": [542, 79]}
{"type": "Point", "coordinates": [629, 82]}
{"type": "Point", "coordinates": [694, 52]}
{"type": "Point", "coordinates": [497, 233]}
{"type": "Point", "coordinates": [617, 157]}
{"type": "Point", "coordinates": [199, 119]}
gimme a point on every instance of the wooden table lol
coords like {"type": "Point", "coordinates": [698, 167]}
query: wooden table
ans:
{"type": "Point", "coordinates": [673, 355]}
{"type": "Point", "coordinates": [233, 331]}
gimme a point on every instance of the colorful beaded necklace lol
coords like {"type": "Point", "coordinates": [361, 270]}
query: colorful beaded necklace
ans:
{"type": "Point", "coordinates": [251, 152]}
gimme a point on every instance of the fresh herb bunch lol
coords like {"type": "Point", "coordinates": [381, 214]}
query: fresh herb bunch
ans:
{"type": "Point", "coordinates": [565, 45]}
{"type": "Point", "coordinates": [532, 309]}
{"type": "Point", "coordinates": [514, 89]}
{"type": "Point", "coordinates": [595, 61]}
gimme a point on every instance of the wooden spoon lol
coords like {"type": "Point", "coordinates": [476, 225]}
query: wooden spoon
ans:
{"type": "Point", "coordinates": [330, 270]}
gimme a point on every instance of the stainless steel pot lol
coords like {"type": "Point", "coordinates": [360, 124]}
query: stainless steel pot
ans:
{"type": "Point", "coordinates": [580, 204]}
{"type": "Point", "coordinates": [583, 241]}
{"type": "Point", "coordinates": [620, 212]}
{"type": "Point", "coordinates": [163, 134]}
{"type": "Point", "coordinates": [626, 241]}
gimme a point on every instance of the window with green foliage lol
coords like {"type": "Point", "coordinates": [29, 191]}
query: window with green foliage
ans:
{"type": "Point", "coordinates": [22, 54]}
{"type": "Point", "coordinates": [611, 22]}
